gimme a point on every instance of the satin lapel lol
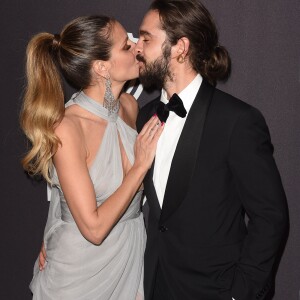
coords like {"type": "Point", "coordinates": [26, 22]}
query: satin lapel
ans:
{"type": "Point", "coordinates": [150, 192]}
{"type": "Point", "coordinates": [186, 153]}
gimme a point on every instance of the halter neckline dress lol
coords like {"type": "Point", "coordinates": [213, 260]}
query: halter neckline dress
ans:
{"type": "Point", "coordinates": [77, 269]}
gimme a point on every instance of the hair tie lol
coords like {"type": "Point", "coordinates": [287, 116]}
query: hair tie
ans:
{"type": "Point", "coordinates": [56, 40]}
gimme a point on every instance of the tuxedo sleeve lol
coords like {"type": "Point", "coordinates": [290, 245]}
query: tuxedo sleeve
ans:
{"type": "Point", "coordinates": [260, 189]}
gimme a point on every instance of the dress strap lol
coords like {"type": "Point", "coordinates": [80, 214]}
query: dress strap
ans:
{"type": "Point", "coordinates": [92, 106]}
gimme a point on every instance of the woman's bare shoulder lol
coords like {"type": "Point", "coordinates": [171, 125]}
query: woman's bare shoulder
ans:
{"type": "Point", "coordinates": [69, 131]}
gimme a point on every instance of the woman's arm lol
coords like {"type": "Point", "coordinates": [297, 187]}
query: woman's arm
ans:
{"type": "Point", "coordinates": [70, 162]}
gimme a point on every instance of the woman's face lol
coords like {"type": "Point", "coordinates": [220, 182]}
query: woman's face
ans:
{"type": "Point", "coordinates": [123, 64]}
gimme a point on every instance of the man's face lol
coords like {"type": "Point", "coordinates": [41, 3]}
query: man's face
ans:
{"type": "Point", "coordinates": [153, 52]}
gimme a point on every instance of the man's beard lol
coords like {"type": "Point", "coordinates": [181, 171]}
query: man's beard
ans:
{"type": "Point", "coordinates": [156, 73]}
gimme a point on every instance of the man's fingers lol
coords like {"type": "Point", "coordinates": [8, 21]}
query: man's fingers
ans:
{"type": "Point", "coordinates": [42, 257]}
{"type": "Point", "coordinates": [44, 252]}
{"type": "Point", "coordinates": [42, 261]}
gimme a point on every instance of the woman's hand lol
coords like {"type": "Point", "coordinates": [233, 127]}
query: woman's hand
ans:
{"type": "Point", "coordinates": [146, 143]}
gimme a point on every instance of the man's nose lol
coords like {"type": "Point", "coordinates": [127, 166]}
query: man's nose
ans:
{"type": "Point", "coordinates": [138, 47]}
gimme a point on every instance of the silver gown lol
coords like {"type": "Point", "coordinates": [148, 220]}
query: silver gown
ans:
{"type": "Point", "coordinates": [77, 269]}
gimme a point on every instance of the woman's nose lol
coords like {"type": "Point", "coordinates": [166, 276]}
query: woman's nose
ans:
{"type": "Point", "coordinates": [133, 45]}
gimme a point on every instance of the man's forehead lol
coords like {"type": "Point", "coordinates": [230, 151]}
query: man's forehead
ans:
{"type": "Point", "coordinates": [150, 22]}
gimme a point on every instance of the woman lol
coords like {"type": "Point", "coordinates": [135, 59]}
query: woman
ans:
{"type": "Point", "coordinates": [93, 158]}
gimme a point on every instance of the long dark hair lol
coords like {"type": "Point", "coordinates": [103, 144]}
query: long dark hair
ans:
{"type": "Point", "coordinates": [190, 19]}
{"type": "Point", "coordinates": [71, 53]}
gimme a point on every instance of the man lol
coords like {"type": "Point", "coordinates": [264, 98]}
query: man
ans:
{"type": "Point", "coordinates": [213, 163]}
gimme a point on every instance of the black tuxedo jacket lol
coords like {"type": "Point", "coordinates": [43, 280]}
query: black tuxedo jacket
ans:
{"type": "Point", "coordinates": [223, 166]}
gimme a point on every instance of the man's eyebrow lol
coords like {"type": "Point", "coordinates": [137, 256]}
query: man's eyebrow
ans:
{"type": "Point", "coordinates": [144, 32]}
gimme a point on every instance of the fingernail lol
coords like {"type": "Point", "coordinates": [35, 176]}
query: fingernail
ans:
{"type": "Point", "coordinates": [155, 115]}
{"type": "Point", "coordinates": [162, 123]}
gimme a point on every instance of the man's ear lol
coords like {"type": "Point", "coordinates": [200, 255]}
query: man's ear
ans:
{"type": "Point", "coordinates": [182, 47]}
{"type": "Point", "coordinates": [100, 68]}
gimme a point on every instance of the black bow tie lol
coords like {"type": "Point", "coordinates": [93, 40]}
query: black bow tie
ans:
{"type": "Point", "coordinates": [175, 104]}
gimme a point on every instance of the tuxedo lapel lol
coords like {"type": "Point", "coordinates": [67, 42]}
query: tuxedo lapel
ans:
{"type": "Point", "coordinates": [186, 153]}
{"type": "Point", "coordinates": [147, 112]}
{"type": "Point", "coordinates": [151, 192]}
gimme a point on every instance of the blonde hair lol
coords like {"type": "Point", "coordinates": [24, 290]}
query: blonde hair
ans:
{"type": "Point", "coordinates": [43, 106]}
{"type": "Point", "coordinates": [72, 52]}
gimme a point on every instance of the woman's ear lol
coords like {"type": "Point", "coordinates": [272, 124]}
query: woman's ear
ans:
{"type": "Point", "coordinates": [100, 68]}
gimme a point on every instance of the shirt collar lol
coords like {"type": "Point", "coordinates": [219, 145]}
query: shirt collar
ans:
{"type": "Point", "coordinates": [188, 94]}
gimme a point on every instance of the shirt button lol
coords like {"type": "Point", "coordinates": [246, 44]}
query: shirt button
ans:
{"type": "Point", "coordinates": [163, 228]}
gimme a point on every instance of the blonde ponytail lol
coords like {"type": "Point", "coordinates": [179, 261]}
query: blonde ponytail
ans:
{"type": "Point", "coordinates": [72, 52]}
{"type": "Point", "coordinates": [43, 105]}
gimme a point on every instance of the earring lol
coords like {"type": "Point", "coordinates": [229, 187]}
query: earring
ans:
{"type": "Point", "coordinates": [110, 103]}
{"type": "Point", "coordinates": [180, 59]}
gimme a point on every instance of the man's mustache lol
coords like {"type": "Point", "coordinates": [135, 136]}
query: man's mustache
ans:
{"type": "Point", "coordinates": [140, 58]}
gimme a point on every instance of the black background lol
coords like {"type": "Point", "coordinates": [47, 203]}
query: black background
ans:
{"type": "Point", "coordinates": [263, 38]}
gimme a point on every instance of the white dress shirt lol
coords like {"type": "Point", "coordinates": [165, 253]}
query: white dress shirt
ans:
{"type": "Point", "coordinates": [168, 140]}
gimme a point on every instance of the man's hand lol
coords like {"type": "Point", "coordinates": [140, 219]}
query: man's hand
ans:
{"type": "Point", "coordinates": [42, 257]}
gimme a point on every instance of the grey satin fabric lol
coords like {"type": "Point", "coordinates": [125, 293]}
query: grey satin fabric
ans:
{"type": "Point", "coordinates": [76, 268]}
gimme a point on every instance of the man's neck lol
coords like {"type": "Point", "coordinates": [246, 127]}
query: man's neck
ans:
{"type": "Point", "coordinates": [181, 80]}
